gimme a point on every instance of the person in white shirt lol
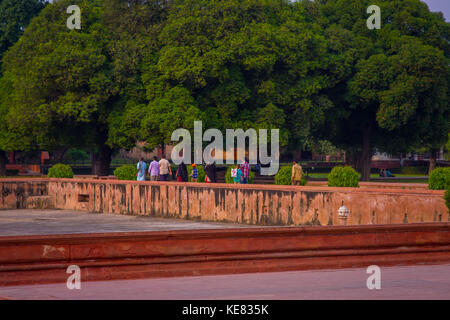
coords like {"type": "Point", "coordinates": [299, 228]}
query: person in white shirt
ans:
{"type": "Point", "coordinates": [164, 169]}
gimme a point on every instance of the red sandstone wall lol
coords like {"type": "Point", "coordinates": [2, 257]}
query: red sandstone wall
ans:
{"type": "Point", "coordinates": [13, 194]}
{"type": "Point", "coordinates": [265, 205]}
{"type": "Point", "coordinates": [44, 259]}
{"type": "Point", "coordinates": [251, 204]}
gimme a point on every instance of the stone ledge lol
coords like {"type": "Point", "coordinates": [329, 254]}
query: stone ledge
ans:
{"type": "Point", "coordinates": [314, 186]}
{"type": "Point", "coordinates": [44, 259]}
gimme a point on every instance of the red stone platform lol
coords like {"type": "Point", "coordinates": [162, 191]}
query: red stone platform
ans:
{"type": "Point", "coordinates": [112, 256]}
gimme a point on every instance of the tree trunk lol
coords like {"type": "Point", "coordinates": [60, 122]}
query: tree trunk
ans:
{"type": "Point", "coordinates": [163, 149]}
{"type": "Point", "coordinates": [432, 165]}
{"type": "Point", "coordinates": [366, 156]}
{"type": "Point", "coordinates": [350, 158]}
{"type": "Point", "coordinates": [102, 161]}
{"type": "Point", "coordinates": [2, 163]}
{"type": "Point", "coordinates": [359, 159]}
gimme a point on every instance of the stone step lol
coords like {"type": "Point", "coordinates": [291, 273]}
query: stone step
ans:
{"type": "Point", "coordinates": [26, 260]}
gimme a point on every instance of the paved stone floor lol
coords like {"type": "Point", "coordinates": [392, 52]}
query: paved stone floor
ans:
{"type": "Point", "coordinates": [43, 222]}
{"type": "Point", "coordinates": [411, 283]}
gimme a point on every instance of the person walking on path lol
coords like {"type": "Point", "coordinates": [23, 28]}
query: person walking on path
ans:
{"type": "Point", "coordinates": [245, 168]}
{"type": "Point", "coordinates": [297, 173]}
{"type": "Point", "coordinates": [236, 174]}
{"type": "Point", "coordinates": [164, 169]}
{"type": "Point", "coordinates": [141, 169]}
{"type": "Point", "coordinates": [210, 171]}
{"type": "Point", "coordinates": [194, 174]}
{"type": "Point", "coordinates": [153, 169]}
{"type": "Point", "coordinates": [182, 174]}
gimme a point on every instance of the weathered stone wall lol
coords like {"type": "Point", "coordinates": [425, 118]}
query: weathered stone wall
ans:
{"type": "Point", "coordinates": [249, 204]}
{"type": "Point", "coordinates": [14, 194]}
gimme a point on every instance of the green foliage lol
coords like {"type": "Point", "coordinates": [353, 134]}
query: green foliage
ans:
{"type": "Point", "coordinates": [284, 177]}
{"type": "Point", "coordinates": [15, 15]}
{"type": "Point", "coordinates": [447, 146]}
{"type": "Point", "coordinates": [201, 173]}
{"type": "Point", "coordinates": [126, 172]}
{"type": "Point", "coordinates": [175, 109]}
{"type": "Point", "coordinates": [229, 63]}
{"type": "Point", "coordinates": [229, 179]}
{"type": "Point", "coordinates": [60, 171]}
{"type": "Point", "coordinates": [440, 179]}
{"type": "Point", "coordinates": [343, 177]}
{"type": "Point", "coordinates": [414, 170]}
{"type": "Point", "coordinates": [61, 79]}
{"type": "Point", "coordinates": [138, 70]}
{"type": "Point", "coordinates": [76, 155]}
{"type": "Point", "coordinates": [389, 78]}
{"type": "Point", "coordinates": [324, 147]}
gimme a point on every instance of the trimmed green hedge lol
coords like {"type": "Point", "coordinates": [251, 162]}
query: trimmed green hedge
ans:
{"type": "Point", "coordinates": [60, 171]}
{"type": "Point", "coordinates": [343, 177]}
{"type": "Point", "coordinates": [201, 173]}
{"type": "Point", "coordinates": [229, 179]}
{"type": "Point", "coordinates": [126, 172]}
{"type": "Point", "coordinates": [440, 179]}
{"type": "Point", "coordinates": [284, 176]}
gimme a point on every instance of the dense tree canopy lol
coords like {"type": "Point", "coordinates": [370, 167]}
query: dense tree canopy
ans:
{"type": "Point", "coordinates": [15, 15]}
{"type": "Point", "coordinates": [137, 70]}
{"type": "Point", "coordinates": [396, 94]}
{"type": "Point", "coordinates": [233, 64]}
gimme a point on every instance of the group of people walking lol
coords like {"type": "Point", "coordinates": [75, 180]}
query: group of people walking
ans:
{"type": "Point", "coordinates": [241, 173]}
{"type": "Point", "coordinates": [157, 170]}
{"type": "Point", "coordinates": [161, 170]}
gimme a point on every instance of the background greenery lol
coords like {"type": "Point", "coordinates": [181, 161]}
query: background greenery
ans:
{"type": "Point", "coordinates": [229, 179]}
{"type": "Point", "coordinates": [60, 171]}
{"type": "Point", "coordinates": [284, 176]}
{"type": "Point", "coordinates": [440, 179]}
{"type": "Point", "coordinates": [137, 70]}
{"type": "Point", "coordinates": [126, 172]}
{"type": "Point", "coordinates": [343, 177]}
{"type": "Point", "coordinates": [201, 173]}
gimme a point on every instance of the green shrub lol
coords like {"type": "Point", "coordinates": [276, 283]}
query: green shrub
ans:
{"type": "Point", "coordinates": [284, 175]}
{"type": "Point", "coordinates": [201, 173]}
{"type": "Point", "coordinates": [414, 170]}
{"type": "Point", "coordinates": [447, 198]}
{"type": "Point", "coordinates": [343, 177]}
{"type": "Point", "coordinates": [229, 179]}
{"type": "Point", "coordinates": [60, 171]}
{"type": "Point", "coordinates": [126, 172]}
{"type": "Point", "coordinates": [76, 155]}
{"type": "Point", "coordinates": [440, 179]}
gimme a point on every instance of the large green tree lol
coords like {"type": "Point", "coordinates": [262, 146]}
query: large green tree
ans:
{"type": "Point", "coordinates": [63, 87]}
{"type": "Point", "coordinates": [395, 93]}
{"type": "Point", "coordinates": [235, 64]}
{"type": "Point", "coordinates": [15, 15]}
{"type": "Point", "coordinates": [133, 29]}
